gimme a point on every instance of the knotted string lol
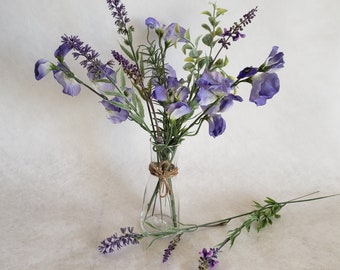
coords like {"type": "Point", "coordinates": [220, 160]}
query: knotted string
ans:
{"type": "Point", "coordinates": [163, 170]}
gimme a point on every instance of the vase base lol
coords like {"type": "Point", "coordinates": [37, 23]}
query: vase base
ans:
{"type": "Point", "coordinates": [157, 223]}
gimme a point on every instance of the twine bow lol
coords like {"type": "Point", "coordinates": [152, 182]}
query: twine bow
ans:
{"type": "Point", "coordinates": [163, 170]}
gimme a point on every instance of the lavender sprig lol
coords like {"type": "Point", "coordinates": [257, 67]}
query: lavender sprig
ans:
{"type": "Point", "coordinates": [171, 247]}
{"type": "Point", "coordinates": [80, 49]}
{"type": "Point", "coordinates": [119, 13]}
{"type": "Point", "coordinates": [131, 70]}
{"type": "Point", "coordinates": [234, 32]}
{"type": "Point", "coordinates": [208, 259]}
{"type": "Point", "coordinates": [115, 242]}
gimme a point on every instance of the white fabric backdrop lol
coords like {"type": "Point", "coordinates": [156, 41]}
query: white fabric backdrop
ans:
{"type": "Point", "coordinates": [69, 178]}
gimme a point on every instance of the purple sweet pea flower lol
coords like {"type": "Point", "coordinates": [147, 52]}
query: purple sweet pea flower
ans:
{"type": "Point", "coordinates": [116, 114]}
{"type": "Point", "coordinates": [247, 72]}
{"type": "Point", "coordinates": [174, 33]}
{"type": "Point", "coordinates": [41, 68]}
{"type": "Point", "coordinates": [70, 86]}
{"type": "Point", "coordinates": [160, 93]}
{"type": "Point", "coordinates": [62, 50]}
{"type": "Point", "coordinates": [212, 85]}
{"type": "Point", "coordinates": [274, 60]}
{"type": "Point", "coordinates": [177, 110]}
{"type": "Point", "coordinates": [152, 23]}
{"type": "Point", "coordinates": [100, 78]}
{"type": "Point", "coordinates": [264, 86]}
{"type": "Point", "coordinates": [217, 125]}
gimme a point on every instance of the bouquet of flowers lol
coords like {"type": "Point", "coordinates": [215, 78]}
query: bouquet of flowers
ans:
{"type": "Point", "coordinates": [139, 84]}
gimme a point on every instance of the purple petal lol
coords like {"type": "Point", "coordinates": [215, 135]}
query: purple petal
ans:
{"type": "Point", "coordinates": [41, 68]}
{"type": "Point", "coordinates": [247, 72]}
{"type": "Point", "coordinates": [217, 125]}
{"type": "Point", "coordinates": [152, 23]}
{"type": "Point", "coordinates": [177, 110]}
{"type": "Point", "coordinates": [62, 50]}
{"type": "Point", "coordinates": [116, 114]}
{"type": "Point", "coordinates": [70, 86]}
{"type": "Point", "coordinates": [265, 86]}
{"type": "Point", "coordinates": [160, 93]}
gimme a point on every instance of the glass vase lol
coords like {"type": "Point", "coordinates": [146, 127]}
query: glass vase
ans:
{"type": "Point", "coordinates": [160, 210]}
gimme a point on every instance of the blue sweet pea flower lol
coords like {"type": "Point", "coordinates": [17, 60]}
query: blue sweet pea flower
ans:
{"type": "Point", "coordinates": [264, 86]}
{"type": "Point", "coordinates": [101, 77]}
{"type": "Point", "coordinates": [116, 114]}
{"type": "Point", "coordinates": [152, 23]}
{"type": "Point", "coordinates": [174, 33]}
{"type": "Point", "coordinates": [247, 72]}
{"type": "Point", "coordinates": [70, 86]}
{"type": "Point", "coordinates": [177, 110]}
{"type": "Point", "coordinates": [41, 68]}
{"type": "Point", "coordinates": [217, 125]}
{"type": "Point", "coordinates": [212, 86]}
{"type": "Point", "coordinates": [160, 93]}
{"type": "Point", "coordinates": [62, 50]}
{"type": "Point", "coordinates": [274, 60]}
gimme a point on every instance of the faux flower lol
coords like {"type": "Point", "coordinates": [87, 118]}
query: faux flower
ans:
{"type": "Point", "coordinates": [264, 86]}
{"type": "Point", "coordinates": [274, 60]}
{"type": "Point", "coordinates": [41, 68]}
{"type": "Point", "coordinates": [212, 86]}
{"type": "Point", "coordinates": [174, 33]}
{"type": "Point", "coordinates": [217, 125]}
{"type": "Point", "coordinates": [114, 107]}
{"type": "Point", "coordinates": [247, 72]}
{"type": "Point", "coordinates": [177, 110]}
{"type": "Point", "coordinates": [152, 23]}
{"type": "Point", "coordinates": [70, 86]}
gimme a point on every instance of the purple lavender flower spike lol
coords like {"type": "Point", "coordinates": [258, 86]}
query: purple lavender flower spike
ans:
{"type": "Point", "coordinates": [171, 247]}
{"type": "Point", "coordinates": [264, 86]}
{"type": "Point", "coordinates": [217, 125]}
{"type": "Point", "coordinates": [70, 86]}
{"type": "Point", "coordinates": [41, 68]}
{"type": "Point", "coordinates": [115, 242]}
{"type": "Point", "coordinates": [152, 23]}
{"type": "Point", "coordinates": [177, 110]}
{"type": "Point", "coordinates": [208, 259]}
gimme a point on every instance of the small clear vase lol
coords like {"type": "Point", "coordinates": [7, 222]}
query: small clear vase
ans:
{"type": "Point", "coordinates": [160, 210]}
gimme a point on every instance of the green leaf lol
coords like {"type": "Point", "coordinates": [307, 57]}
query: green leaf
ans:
{"type": "Point", "coordinates": [188, 66]}
{"type": "Point", "coordinates": [206, 27]}
{"type": "Point", "coordinates": [122, 81]}
{"type": "Point", "coordinates": [213, 21]}
{"type": "Point", "coordinates": [206, 13]}
{"type": "Point", "coordinates": [120, 105]}
{"type": "Point", "coordinates": [218, 31]}
{"type": "Point", "coordinates": [208, 39]}
{"type": "Point", "coordinates": [226, 61]}
{"type": "Point", "coordinates": [189, 59]}
{"type": "Point", "coordinates": [186, 47]}
{"type": "Point", "coordinates": [138, 105]}
{"type": "Point", "coordinates": [127, 52]}
{"type": "Point", "coordinates": [195, 53]}
{"type": "Point", "coordinates": [187, 35]}
{"type": "Point", "coordinates": [220, 11]}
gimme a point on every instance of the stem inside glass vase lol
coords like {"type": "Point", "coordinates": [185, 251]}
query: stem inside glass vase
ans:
{"type": "Point", "coordinates": [161, 201]}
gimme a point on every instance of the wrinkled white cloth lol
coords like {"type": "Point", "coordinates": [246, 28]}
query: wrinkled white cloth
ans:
{"type": "Point", "coordinates": [69, 178]}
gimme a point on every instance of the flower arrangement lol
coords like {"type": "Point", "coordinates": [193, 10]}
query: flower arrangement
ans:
{"type": "Point", "coordinates": [139, 84]}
